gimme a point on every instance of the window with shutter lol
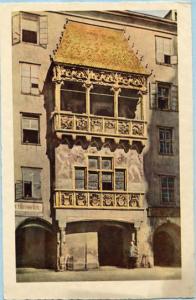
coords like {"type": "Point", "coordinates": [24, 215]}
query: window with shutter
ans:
{"type": "Point", "coordinates": [30, 28]}
{"type": "Point", "coordinates": [30, 79]}
{"type": "Point", "coordinates": [31, 183]}
{"type": "Point", "coordinates": [165, 50]}
{"type": "Point", "coordinates": [30, 25]}
{"type": "Point", "coordinates": [30, 129]}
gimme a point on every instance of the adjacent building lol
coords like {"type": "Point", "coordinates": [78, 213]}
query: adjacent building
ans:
{"type": "Point", "coordinates": [96, 139]}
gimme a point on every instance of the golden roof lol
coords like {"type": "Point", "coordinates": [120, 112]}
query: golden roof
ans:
{"type": "Point", "coordinates": [99, 47]}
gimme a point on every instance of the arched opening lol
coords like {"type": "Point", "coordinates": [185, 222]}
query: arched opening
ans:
{"type": "Point", "coordinates": [35, 245]}
{"type": "Point", "coordinates": [166, 245]}
{"type": "Point", "coordinates": [110, 246]}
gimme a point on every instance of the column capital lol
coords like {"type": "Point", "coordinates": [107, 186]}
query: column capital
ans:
{"type": "Point", "coordinates": [116, 89]}
{"type": "Point", "coordinates": [88, 85]}
{"type": "Point", "coordinates": [137, 225]}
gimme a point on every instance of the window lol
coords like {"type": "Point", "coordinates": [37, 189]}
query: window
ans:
{"type": "Point", "coordinates": [165, 141]}
{"type": "Point", "coordinates": [120, 179]}
{"type": "Point", "coordinates": [30, 28]}
{"type": "Point", "coordinates": [127, 103]}
{"type": "Point", "coordinates": [167, 189]}
{"type": "Point", "coordinates": [163, 96]}
{"type": "Point", "coordinates": [30, 78]}
{"type": "Point", "coordinates": [31, 183]}
{"type": "Point", "coordinates": [102, 101]}
{"type": "Point", "coordinates": [73, 97]}
{"type": "Point", "coordinates": [165, 51]}
{"type": "Point", "coordinates": [101, 175]}
{"type": "Point", "coordinates": [80, 178]}
{"type": "Point", "coordinates": [30, 129]}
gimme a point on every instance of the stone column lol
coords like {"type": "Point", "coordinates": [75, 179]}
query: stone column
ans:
{"type": "Point", "coordinates": [57, 95]}
{"type": "Point", "coordinates": [116, 90]}
{"type": "Point", "coordinates": [142, 105]}
{"type": "Point", "coordinates": [88, 87]}
{"type": "Point", "coordinates": [61, 258]}
{"type": "Point", "coordinates": [137, 227]}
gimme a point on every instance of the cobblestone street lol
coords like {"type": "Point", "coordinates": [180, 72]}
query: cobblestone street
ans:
{"type": "Point", "coordinates": [104, 273]}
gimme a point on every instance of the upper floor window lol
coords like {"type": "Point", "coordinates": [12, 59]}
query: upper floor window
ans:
{"type": "Point", "coordinates": [30, 79]}
{"type": "Point", "coordinates": [163, 96]}
{"type": "Point", "coordinates": [102, 101]}
{"type": "Point", "coordinates": [30, 28]}
{"type": "Point", "coordinates": [167, 189]}
{"type": "Point", "coordinates": [100, 174]}
{"type": "Point", "coordinates": [73, 97]}
{"type": "Point", "coordinates": [165, 51]}
{"type": "Point", "coordinates": [31, 182]}
{"type": "Point", "coordinates": [165, 141]}
{"type": "Point", "coordinates": [30, 129]}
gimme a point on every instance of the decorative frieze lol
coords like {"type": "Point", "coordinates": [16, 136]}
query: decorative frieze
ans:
{"type": "Point", "coordinates": [116, 127]}
{"type": "Point", "coordinates": [98, 200]}
{"type": "Point", "coordinates": [126, 80]}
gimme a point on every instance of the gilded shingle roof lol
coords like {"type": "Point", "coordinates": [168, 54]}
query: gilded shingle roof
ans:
{"type": "Point", "coordinates": [99, 47]}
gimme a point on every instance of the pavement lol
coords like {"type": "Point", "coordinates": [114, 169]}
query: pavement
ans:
{"type": "Point", "coordinates": [106, 273]}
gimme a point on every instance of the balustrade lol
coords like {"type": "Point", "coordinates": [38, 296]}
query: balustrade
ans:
{"type": "Point", "coordinates": [98, 200]}
{"type": "Point", "coordinates": [107, 126]}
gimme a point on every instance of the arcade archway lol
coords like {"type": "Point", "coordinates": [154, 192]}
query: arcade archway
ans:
{"type": "Point", "coordinates": [166, 245]}
{"type": "Point", "coordinates": [35, 244]}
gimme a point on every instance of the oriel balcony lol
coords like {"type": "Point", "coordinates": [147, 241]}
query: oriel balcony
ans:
{"type": "Point", "coordinates": [98, 110]}
{"type": "Point", "coordinates": [98, 200]}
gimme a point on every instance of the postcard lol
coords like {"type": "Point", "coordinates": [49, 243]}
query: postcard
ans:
{"type": "Point", "coordinates": [97, 155]}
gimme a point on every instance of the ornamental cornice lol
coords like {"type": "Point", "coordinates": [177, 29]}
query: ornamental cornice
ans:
{"type": "Point", "coordinates": [89, 76]}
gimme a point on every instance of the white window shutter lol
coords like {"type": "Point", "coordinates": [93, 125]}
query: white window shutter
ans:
{"type": "Point", "coordinates": [16, 35]}
{"type": "Point", "coordinates": [153, 95]}
{"type": "Point", "coordinates": [167, 46]}
{"type": "Point", "coordinates": [43, 31]}
{"type": "Point", "coordinates": [174, 60]}
{"type": "Point", "coordinates": [174, 97]}
{"type": "Point", "coordinates": [159, 50]}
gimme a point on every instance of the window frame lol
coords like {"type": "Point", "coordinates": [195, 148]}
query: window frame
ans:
{"type": "Point", "coordinates": [100, 171]}
{"type": "Point", "coordinates": [30, 116]}
{"type": "Point", "coordinates": [30, 78]}
{"type": "Point", "coordinates": [156, 50]}
{"type": "Point", "coordinates": [169, 190]}
{"type": "Point", "coordinates": [32, 198]}
{"type": "Point", "coordinates": [163, 85]}
{"type": "Point", "coordinates": [171, 130]}
{"type": "Point", "coordinates": [38, 27]}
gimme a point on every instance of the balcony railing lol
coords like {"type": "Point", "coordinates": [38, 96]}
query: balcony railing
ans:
{"type": "Point", "coordinates": [96, 125]}
{"type": "Point", "coordinates": [98, 200]}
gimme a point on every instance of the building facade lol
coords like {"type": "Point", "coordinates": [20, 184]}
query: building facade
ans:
{"type": "Point", "coordinates": [96, 139]}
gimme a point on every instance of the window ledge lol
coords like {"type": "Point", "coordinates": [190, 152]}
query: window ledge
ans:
{"type": "Point", "coordinates": [28, 94]}
{"type": "Point", "coordinates": [166, 154]}
{"type": "Point", "coordinates": [29, 200]}
{"type": "Point", "coordinates": [166, 65]}
{"type": "Point", "coordinates": [31, 144]}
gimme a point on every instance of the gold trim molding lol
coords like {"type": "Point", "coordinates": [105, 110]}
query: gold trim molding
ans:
{"type": "Point", "coordinates": [89, 76]}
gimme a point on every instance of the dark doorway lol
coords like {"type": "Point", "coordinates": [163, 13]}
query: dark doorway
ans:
{"type": "Point", "coordinates": [163, 249]}
{"type": "Point", "coordinates": [110, 246]}
{"type": "Point", "coordinates": [35, 247]}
